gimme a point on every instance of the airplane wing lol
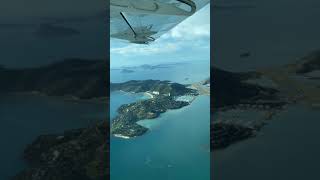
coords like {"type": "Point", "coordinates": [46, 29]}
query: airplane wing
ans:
{"type": "Point", "coordinates": [143, 21]}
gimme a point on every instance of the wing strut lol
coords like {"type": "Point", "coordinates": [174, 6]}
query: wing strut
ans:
{"type": "Point", "coordinates": [125, 19]}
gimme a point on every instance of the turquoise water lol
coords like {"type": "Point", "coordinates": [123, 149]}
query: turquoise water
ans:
{"type": "Point", "coordinates": [177, 145]}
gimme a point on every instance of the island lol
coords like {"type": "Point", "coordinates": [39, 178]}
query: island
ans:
{"type": "Point", "coordinates": [164, 96]}
{"type": "Point", "coordinates": [125, 124]}
{"type": "Point", "coordinates": [155, 87]}
{"type": "Point", "coordinates": [127, 71]}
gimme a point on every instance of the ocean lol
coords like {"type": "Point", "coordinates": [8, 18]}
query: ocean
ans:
{"type": "Point", "coordinates": [177, 145]}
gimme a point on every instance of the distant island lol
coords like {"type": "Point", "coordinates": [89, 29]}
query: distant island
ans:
{"type": "Point", "coordinates": [127, 71]}
{"type": "Point", "coordinates": [124, 69]}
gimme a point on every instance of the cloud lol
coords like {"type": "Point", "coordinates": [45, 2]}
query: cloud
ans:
{"type": "Point", "coordinates": [190, 37]}
{"type": "Point", "coordinates": [136, 49]}
{"type": "Point", "coordinates": [196, 27]}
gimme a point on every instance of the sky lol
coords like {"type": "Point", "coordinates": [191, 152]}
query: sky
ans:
{"type": "Point", "coordinates": [188, 41]}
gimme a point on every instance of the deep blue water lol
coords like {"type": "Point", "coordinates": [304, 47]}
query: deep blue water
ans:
{"type": "Point", "coordinates": [177, 145]}
{"type": "Point", "coordinates": [24, 117]}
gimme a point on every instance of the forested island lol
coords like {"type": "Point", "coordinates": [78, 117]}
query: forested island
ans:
{"type": "Point", "coordinates": [163, 93]}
